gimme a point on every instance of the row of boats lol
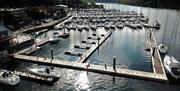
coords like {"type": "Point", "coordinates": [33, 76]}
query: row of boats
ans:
{"type": "Point", "coordinates": [11, 78]}
{"type": "Point", "coordinates": [109, 19]}
{"type": "Point", "coordinates": [56, 36]}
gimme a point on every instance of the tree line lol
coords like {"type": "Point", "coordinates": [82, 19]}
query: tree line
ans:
{"type": "Point", "coordinates": [174, 4]}
{"type": "Point", "coordinates": [32, 3]}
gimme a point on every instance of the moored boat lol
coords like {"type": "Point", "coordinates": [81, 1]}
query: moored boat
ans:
{"type": "Point", "coordinates": [55, 37]}
{"type": "Point", "coordinates": [172, 66]}
{"type": "Point", "coordinates": [45, 72]}
{"type": "Point", "coordinates": [8, 78]}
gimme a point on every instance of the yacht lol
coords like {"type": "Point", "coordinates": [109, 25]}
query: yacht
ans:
{"type": "Point", "coordinates": [156, 24]}
{"type": "Point", "coordinates": [55, 37]}
{"type": "Point", "coordinates": [120, 26]}
{"type": "Point", "coordinates": [172, 66]}
{"type": "Point", "coordinates": [45, 72]}
{"type": "Point", "coordinates": [8, 78]}
{"type": "Point", "coordinates": [65, 35]}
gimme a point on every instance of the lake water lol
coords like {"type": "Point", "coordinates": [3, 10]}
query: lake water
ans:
{"type": "Point", "coordinates": [128, 47]}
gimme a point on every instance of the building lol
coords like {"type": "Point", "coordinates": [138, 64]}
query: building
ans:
{"type": "Point", "coordinates": [58, 11]}
{"type": "Point", "coordinates": [15, 18]}
{"type": "Point", "coordinates": [6, 40]}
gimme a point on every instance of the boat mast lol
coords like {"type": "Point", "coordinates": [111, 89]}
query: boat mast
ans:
{"type": "Point", "coordinates": [174, 31]}
{"type": "Point", "coordinates": [164, 30]}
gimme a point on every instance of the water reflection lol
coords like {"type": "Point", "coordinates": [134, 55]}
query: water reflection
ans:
{"type": "Point", "coordinates": [82, 82]}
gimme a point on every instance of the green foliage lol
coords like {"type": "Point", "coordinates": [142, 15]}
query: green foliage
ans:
{"type": "Point", "coordinates": [153, 3]}
{"type": "Point", "coordinates": [27, 3]}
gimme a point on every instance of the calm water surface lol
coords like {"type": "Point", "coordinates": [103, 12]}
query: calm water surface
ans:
{"type": "Point", "coordinates": [128, 47]}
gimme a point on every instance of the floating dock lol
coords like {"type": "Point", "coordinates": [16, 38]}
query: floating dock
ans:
{"type": "Point", "coordinates": [89, 42]}
{"type": "Point", "coordinates": [93, 68]}
{"type": "Point", "coordinates": [89, 52]}
{"type": "Point", "coordinates": [157, 64]}
{"type": "Point", "coordinates": [73, 53]}
{"type": "Point", "coordinates": [82, 46]}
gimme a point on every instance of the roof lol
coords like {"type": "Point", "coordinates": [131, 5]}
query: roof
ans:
{"type": "Point", "coordinates": [60, 5]}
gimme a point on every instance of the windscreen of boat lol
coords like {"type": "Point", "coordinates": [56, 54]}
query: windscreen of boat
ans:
{"type": "Point", "coordinates": [176, 70]}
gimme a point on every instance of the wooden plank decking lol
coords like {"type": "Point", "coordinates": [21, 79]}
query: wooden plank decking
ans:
{"type": "Point", "coordinates": [156, 58]}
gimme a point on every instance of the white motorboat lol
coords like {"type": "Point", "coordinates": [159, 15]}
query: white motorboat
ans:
{"type": "Point", "coordinates": [162, 48]}
{"type": "Point", "coordinates": [8, 78]}
{"type": "Point", "coordinates": [45, 72]}
{"type": "Point", "coordinates": [55, 37]}
{"type": "Point", "coordinates": [93, 27]}
{"type": "Point", "coordinates": [172, 66]}
{"type": "Point", "coordinates": [146, 25]}
{"type": "Point", "coordinates": [156, 24]}
{"type": "Point", "coordinates": [120, 26]}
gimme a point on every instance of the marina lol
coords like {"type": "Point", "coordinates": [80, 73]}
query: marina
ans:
{"type": "Point", "coordinates": [116, 47]}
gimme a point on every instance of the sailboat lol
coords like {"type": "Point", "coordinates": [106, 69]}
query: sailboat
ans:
{"type": "Point", "coordinates": [156, 24]}
{"type": "Point", "coordinates": [55, 37]}
{"type": "Point", "coordinates": [172, 66]}
{"type": "Point", "coordinates": [162, 47]}
{"type": "Point", "coordinates": [64, 34]}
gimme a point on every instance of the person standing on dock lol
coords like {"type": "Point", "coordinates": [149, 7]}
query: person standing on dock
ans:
{"type": "Point", "coordinates": [105, 66]}
{"type": "Point", "coordinates": [52, 54]}
{"type": "Point", "coordinates": [150, 34]}
{"type": "Point", "coordinates": [114, 63]}
{"type": "Point", "coordinates": [153, 52]}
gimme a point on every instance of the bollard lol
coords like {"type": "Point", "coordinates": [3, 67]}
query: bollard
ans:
{"type": "Point", "coordinates": [114, 63]}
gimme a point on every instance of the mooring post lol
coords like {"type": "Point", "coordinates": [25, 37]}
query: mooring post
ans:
{"type": "Point", "coordinates": [51, 54]}
{"type": "Point", "coordinates": [114, 63]}
{"type": "Point", "coordinates": [98, 44]}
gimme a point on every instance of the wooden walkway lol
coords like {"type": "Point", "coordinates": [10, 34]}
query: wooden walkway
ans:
{"type": "Point", "coordinates": [89, 52]}
{"type": "Point", "coordinates": [94, 68]}
{"type": "Point", "coordinates": [158, 67]}
{"type": "Point", "coordinates": [46, 25]}
{"type": "Point", "coordinates": [32, 48]}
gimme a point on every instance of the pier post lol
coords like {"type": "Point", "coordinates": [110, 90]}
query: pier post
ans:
{"type": "Point", "coordinates": [52, 54]}
{"type": "Point", "coordinates": [114, 63]}
{"type": "Point", "coordinates": [98, 44]}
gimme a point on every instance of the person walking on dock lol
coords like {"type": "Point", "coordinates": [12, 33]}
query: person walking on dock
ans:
{"type": "Point", "coordinates": [105, 66]}
{"type": "Point", "coordinates": [153, 52]}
